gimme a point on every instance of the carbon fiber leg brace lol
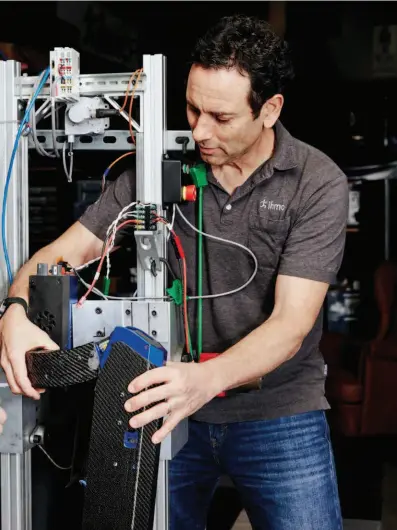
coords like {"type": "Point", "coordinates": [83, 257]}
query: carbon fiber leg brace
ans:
{"type": "Point", "coordinates": [122, 463]}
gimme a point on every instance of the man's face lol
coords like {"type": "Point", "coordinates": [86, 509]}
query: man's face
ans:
{"type": "Point", "coordinates": [219, 114]}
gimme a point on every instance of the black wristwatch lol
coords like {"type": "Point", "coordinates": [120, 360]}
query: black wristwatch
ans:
{"type": "Point", "coordinates": [9, 301]}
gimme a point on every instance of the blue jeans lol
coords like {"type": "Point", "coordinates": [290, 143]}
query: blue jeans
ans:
{"type": "Point", "coordinates": [283, 470]}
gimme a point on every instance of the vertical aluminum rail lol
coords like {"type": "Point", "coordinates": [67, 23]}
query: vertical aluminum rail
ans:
{"type": "Point", "coordinates": [150, 151]}
{"type": "Point", "coordinates": [16, 504]}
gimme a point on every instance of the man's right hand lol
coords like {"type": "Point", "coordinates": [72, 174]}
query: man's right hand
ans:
{"type": "Point", "coordinates": [18, 336]}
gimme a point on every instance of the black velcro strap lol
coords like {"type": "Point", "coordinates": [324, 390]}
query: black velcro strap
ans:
{"type": "Point", "coordinates": [123, 462]}
{"type": "Point", "coordinates": [61, 368]}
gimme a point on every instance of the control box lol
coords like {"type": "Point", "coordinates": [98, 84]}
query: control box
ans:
{"type": "Point", "coordinates": [64, 76]}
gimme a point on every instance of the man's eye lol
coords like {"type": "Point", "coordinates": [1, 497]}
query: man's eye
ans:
{"type": "Point", "coordinates": [223, 120]}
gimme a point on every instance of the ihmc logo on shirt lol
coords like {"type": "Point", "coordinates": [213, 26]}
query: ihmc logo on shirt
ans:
{"type": "Point", "coordinates": [270, 205]}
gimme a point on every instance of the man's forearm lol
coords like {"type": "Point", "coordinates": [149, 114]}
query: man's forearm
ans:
{"type": "Point", "coordinates": [77, 246]}
{"type": "Point", "coordinates": [20, 286]}
{"type": "Point", "coordinates": [259, 353]}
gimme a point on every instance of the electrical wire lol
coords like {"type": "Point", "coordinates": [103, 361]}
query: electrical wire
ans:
{"type": "Point", "coordinates": [68, 172]}
{"type": "Point", "coordinates": [109, 243]}
{"type": "Point", "coordinates": [131, 103]}
{"type": "Point", "coordinates": [182, 259]}
{"type": "Point", "coordinates": [53, 461]}
{"type": "Point", "coordinates": [137, 73]}
{"type": "Point", "coordinates": [33, 121]}
{"type": "Point", "coordinates": [9, 173]}
{"type": "Point", "coordinates": [106, 172]}
{"type": "Point", "coordinates": [228, 242]}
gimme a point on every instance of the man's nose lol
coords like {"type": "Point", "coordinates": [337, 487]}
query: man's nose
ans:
{"type": "Point", "coordinates": [202, 131]}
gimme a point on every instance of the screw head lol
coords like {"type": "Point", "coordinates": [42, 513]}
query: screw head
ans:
{"type": "Point", "coordinates": [154, 333]}
{"type": "Point", "coordinates": [128, 312]}
{"type": "Point", "coordinates": [154, 313]}
{"type": "Point", "coordinates": [98, 310]}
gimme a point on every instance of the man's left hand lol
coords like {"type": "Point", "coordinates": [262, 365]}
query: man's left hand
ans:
{"type": "Point", "coordinates": [183, 389]}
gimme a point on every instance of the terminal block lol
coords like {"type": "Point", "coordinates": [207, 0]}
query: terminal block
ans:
{"type": "Point", "coordinates": [147, 213]}
{"type": "Point", "coordinates": [65, 71]}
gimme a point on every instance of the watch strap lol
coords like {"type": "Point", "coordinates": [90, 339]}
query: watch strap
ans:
{"type": "Point", "coordinates": [7, 302]}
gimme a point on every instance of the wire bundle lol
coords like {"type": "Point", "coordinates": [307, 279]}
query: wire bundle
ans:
{"type": "Point", "coordinates": [21, 129]}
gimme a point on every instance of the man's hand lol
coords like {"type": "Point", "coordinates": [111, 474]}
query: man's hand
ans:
{"type": "Point", "coordinates": [184, 388]}
{"type": "Point", "coordinates": [3, 419]}
{"type": "Point", "coordinates": [18, 336]}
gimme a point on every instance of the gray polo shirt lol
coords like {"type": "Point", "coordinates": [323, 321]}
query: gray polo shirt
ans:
{"type": "Point", "coordinates": [291, 212]}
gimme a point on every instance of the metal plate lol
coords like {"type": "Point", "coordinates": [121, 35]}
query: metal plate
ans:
{"type": "Point", "coordinates": [21, 420]}
{"type": "Point", "coordinates": [97, 319]}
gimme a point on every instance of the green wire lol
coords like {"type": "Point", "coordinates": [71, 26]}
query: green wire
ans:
{"type": "Point", "coordinates": [200, 275]}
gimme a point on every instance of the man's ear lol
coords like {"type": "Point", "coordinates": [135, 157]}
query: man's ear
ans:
{"type": "Point", "coordinates": [271, 110]}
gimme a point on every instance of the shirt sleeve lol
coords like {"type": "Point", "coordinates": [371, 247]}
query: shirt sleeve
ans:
{"type": "Point", "coordinates": [314, 248]}
{"type": "Point", "coordinates": [103, 212]}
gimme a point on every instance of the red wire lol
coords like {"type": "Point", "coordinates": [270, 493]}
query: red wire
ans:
{"type": "Point", "coordinates": [181, 251]}
{"type": "Point", "coordinates": [97, 272]}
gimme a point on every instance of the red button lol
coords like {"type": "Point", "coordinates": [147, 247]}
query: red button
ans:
{"type": "Point", "coordinates": [189, 193]}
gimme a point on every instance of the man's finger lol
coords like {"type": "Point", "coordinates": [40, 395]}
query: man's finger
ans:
{"type": "Point", "coordinates": [170, 423]}
{"type": "Point", "coordinates": [154, 413]}
{"type": "Point", "coordinates": [10, 378]}
{"type": "Point", "coordinates": [50, 345]}
{"type": "Point", "coordinates": [149, 378]}
{"type": "Point", "coordinates": [3, 416]}
{"type": "Point", "coordinates": [147, 397]}
{"type": "Point", "coordinates": [21, 377]}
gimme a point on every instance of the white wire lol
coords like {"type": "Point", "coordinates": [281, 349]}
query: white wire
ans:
{"type": "Point", "coordinates": [68, 172]}
{"type": "Point", "coordinates": [53, 461]}
{"type": "Point", "coordinates": [85, 265]}
{"type": "Point", "coordinates": [227, 241]}
{"type": "Point", "coordinates": [33, 120]}
{"type": "Point", "coordinates": [126, 298]}
{"type": "Point", "coordinates": [172, 221]}
{"type": "Point", "coordinates": [53, 125]}
{"type": "Point", "coordinates": [113, 227]}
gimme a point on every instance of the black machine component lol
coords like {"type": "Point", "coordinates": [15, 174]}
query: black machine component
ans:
{"type": "Point", "coordinates": [50, 299]}
{"type": "Point", "coordinates": [172, 182]}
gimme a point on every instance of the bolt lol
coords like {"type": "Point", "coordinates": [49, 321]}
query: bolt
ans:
{"type": "Point", "coordinates": [115, 464]}
{"type": "Point", "coordinates": [154, 333]}
{"type": "Point", "coordinates": [119, 422]}
{"type": "Point", "coordinates": [36, 439]}
{"type": "Point", "coordinates": [128, 312]}
{"type": "Point", "coordinates": [100, 334]}
{"type": "Point", "coordinates": [98, 310]}
{"type": "Point", "coordinates": [154, 313]}
{"type": "Point", "coordinates": [32, 283]}
{"type": "Point", "coordinates": [122, 395]}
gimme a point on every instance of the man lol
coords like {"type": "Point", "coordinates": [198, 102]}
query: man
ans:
{"type": "Point", "coordinates": [287, 202]}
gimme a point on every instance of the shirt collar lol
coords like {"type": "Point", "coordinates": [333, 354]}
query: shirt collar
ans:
{"type": "Point", "coordinates": [283, 158]}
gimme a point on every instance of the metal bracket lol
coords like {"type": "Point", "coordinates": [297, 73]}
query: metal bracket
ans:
{"type": "Point", "coordinates": [147, 250]}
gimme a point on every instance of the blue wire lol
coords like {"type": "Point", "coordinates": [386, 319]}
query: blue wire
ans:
{"type": "Point", "coordinates": [9, 173]}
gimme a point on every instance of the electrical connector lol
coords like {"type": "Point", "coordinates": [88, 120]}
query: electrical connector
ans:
{"type": "Point", "coordinates": [146, 213]}
{"type": "Point", "coordinates": [198, 174]}
{"type": "Point", "coordinates": [176, 292]}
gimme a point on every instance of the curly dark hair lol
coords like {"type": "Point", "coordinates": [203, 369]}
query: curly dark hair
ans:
{"type": "Point", "coordinates": [252, 46]}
